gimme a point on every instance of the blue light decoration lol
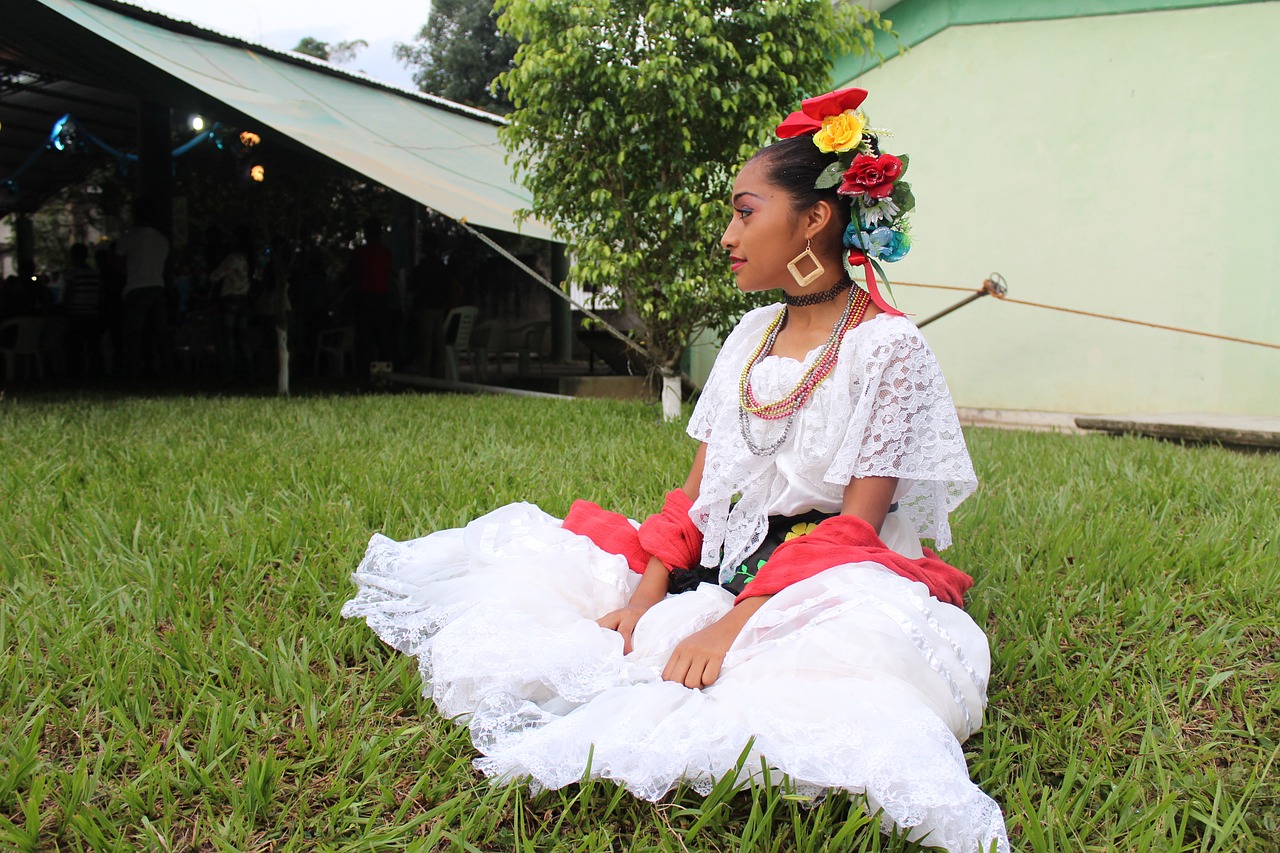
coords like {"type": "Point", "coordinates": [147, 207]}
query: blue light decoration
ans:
{"type": "Point", "coordinates": [55, 137]}
{"type": "Point", "coordinates": [68, 134]}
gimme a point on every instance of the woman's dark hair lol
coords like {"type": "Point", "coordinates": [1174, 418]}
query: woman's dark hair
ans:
{"type": "Point", "coordinates": [793, 165]}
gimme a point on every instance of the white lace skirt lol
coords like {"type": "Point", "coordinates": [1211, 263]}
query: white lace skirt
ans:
{"type": "Point", "coordinates": [854, 679]}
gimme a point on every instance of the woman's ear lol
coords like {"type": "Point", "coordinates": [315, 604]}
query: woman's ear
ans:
{"type": "Point", "coordinates": [818, 218]}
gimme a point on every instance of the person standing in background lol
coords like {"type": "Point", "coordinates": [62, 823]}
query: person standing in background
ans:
{"type": "Point", "coordinates": [82, 302]}
{"type": "Point", "coordinates": [144, 312]}
{"type": "Point", "coordinates": [232, 279]}
{"type": "Point", "coordinates": [370, 276]}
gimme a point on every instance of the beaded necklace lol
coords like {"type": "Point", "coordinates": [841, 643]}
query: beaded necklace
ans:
{"type": "Point", "coordinates": [789, 405]}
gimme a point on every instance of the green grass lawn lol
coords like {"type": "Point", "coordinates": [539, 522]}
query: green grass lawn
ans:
{"type": "Point", "coordinates": [176, 675]}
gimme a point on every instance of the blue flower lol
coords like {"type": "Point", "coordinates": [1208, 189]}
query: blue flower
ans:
{"type": "Point", "coordinates": [897, 248]}
{"type": "Point", "coordinates": [877, 243]}
{"type": "Point", "coordinates": [851, 237]}
{"type": "Point", "coordinates": [883, 244]}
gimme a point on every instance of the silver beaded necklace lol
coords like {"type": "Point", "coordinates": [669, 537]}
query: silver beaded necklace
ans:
{"type": "Point", "coordinates": [744, 417]}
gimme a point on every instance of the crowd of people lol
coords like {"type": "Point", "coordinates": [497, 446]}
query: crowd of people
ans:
{"type": "Point", "coordinates": [134, 311]}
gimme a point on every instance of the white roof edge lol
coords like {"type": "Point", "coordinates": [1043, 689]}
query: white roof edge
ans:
{"type": "Point", "coordinates": [302, 58]}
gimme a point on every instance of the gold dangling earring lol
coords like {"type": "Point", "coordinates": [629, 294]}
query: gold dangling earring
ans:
{"type": "Point", "coordinates": [802, 279]}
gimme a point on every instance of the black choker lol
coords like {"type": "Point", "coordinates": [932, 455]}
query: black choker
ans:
{"type": "Point", "coordinates": [817, 298]}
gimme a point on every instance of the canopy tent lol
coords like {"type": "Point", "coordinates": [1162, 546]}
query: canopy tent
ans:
{"type": "Point", "coordinates": [86, 57]}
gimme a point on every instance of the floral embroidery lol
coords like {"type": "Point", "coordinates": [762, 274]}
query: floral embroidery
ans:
{"type": "Point", "coordinates": [800, 529]}
{"type": "Point", "coordinates": [747, 574]}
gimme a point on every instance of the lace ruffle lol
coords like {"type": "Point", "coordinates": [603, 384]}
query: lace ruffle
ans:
{"type": "Point", "coordinates": [884, 411]}
{"type": "Point", "coordinates": [854, 679]}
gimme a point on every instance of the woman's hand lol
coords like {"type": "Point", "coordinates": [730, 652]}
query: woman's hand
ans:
{"type": "Point", "coordinates": [623, 620]}
{"type": "Point", "coordinates": [651, 589]}
{"type": "Point", "coordinates": [696, 661]}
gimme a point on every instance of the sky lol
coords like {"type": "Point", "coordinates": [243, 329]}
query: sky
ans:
{"type": "Point", "coordinates": [281, 23]}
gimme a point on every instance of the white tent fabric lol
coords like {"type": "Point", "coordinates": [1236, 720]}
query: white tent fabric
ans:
{"type": "Point", "coordinates": [442, 155]}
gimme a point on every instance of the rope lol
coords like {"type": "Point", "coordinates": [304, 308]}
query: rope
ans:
{"type": "Point", "coordinates": [484, 238]}
{"type": "Point", "coordinates": [1095, 315]}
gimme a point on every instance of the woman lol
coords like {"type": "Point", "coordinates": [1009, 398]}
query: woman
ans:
{"type": "Point", "coordinates": [233, 280]}
{"type": "Point", "coordinates": [780, 609]}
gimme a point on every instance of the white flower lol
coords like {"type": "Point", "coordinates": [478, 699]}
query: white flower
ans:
{"type": "Point", "coordinates": [877, 210]}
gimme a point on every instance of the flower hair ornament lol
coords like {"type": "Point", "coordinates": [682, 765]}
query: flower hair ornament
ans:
{"type": "Point", "coordinates": [869, 179]}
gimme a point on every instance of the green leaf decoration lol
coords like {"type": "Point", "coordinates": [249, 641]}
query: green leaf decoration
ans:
{"type": "Point", "coordinates": [906, 161]}
{"type": "Point", "coordinates": [883, 280]}
{"type": "Point", "coordinates": [903, 197]}
{"type": "Point", "coordinates": [831, 176]}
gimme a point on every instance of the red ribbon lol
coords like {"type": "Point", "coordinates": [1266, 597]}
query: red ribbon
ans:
{"type": "Point", "coordinates": [873, 290]}
{"type": "Point", "coordinates": [808, 119]}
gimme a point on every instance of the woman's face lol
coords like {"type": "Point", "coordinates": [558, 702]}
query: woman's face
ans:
{"type": "Point", "coordinates": [765, 233]}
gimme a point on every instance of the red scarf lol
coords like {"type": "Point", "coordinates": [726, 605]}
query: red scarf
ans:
{"type": "Point", "coordinates": [670, 535]}
{"type": "Point", "coordinates": [610, 531]}
{"type": "Point", "coordinates": [848, 539]}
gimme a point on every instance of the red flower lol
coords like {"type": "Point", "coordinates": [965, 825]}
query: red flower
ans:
{"type": "Point", "coordinates": [813, 110]}
{"type": "Point", "coordinates": [873, 176]}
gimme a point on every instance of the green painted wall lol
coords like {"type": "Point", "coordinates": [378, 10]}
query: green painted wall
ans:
{"type": "Point", "coordinates": [1124, 164]}
{"type": "Point", "coordinates": [916, 20]}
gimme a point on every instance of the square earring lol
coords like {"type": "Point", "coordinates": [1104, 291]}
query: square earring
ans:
{"type": "Point", "coordinates": [806, 279]}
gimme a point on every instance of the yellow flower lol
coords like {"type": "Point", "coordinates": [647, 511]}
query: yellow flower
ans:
{"type": "Point", "coordinates": [840, 133]}
{"type": "Point", "coordinates": [799, 530]}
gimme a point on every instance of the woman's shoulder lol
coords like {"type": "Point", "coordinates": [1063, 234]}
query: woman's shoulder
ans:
{"type": "Point", "coordinates": [893, 332]}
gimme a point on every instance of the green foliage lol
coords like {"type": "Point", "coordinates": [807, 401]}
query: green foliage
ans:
{"type": "Point", "coordinates": [337, 53]}
{"type": "Point", "coordinates": [312, 47]}
{"type": "Point", "coordinates": [99, 202]}
{"type": "Point", "coordinates": [632, 119]}
{"type": "Point", "coordinates": [459, 52]}
{"type": "Point", "coordinates": [177, 677]}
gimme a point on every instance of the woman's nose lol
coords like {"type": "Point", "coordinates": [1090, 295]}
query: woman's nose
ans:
{"type": "Point", "coordinates": [727, 239]}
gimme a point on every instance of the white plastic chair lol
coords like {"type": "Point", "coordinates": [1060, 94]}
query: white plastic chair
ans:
{"type": "Point", "coordinates": [491, 340]}
{"type": "Point", "coordinates": [532, 338]}
{"type": "Point", "coordinates": [458, 324]}
{"type": "Point", "coordinates": [336, 348]}
{"type": "Point", "coordinates": [27, 333]}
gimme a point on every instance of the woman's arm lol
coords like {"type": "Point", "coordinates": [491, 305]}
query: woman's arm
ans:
{"type": "Point", "coordinates": [653, 585]}
{"type": "Point", "coordinates": [693, 483]}
{"type": "Point", "coordinates": [696, 661]}
{"type": "Point", "coordinates": [652, 589]}
{"type": "Point", "coordinates": [869, 498]}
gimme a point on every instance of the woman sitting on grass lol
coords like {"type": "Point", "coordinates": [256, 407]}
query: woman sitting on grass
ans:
{"type": "Point", "coordinates": [779, 611]}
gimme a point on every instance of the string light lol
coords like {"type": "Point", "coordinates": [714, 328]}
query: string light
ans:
{"type": "Point", "coordinates": [249, 139]}
{"type": "Point", "coordinates": [197, 123]}
{"type": "Point", "coordinates": [258, 173]}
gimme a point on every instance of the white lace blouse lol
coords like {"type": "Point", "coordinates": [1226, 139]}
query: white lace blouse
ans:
{"type": "Point", "coordinates": [884, 411]}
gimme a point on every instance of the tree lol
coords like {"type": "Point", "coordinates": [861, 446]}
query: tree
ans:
{"type": "Point", "coordinates": [632, 118]}
{"type": "Point", "coordinates": [343, 51]}
{"type": "Point", "coordinates": [459, 52]}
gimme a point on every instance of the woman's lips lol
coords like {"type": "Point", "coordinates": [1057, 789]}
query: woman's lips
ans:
{"type": "Point", "coordinates": [735, 264]}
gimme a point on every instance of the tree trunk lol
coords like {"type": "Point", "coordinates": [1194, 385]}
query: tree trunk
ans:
{"type": "Point", "coordinates": [670, 396]}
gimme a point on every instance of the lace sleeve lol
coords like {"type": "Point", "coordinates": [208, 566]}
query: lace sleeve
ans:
{"type": "Point", "coordinates": [904, 425]}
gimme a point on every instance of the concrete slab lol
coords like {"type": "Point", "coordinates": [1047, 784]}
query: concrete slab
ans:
{"type": "Point", "coordinates": [1018, 419]}
{"type": "Point", "coordinates": [1234, 430]}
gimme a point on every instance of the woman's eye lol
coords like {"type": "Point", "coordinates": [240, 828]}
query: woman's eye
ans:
{"type": "Point", "coordinates": [743, 212]}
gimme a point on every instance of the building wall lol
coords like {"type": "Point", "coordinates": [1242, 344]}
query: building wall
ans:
{"type": "Point", "coordinates": [1123, 164]}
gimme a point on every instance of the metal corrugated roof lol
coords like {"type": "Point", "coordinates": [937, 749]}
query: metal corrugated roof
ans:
{"type": "Point", "coordinates": [97, 58]}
